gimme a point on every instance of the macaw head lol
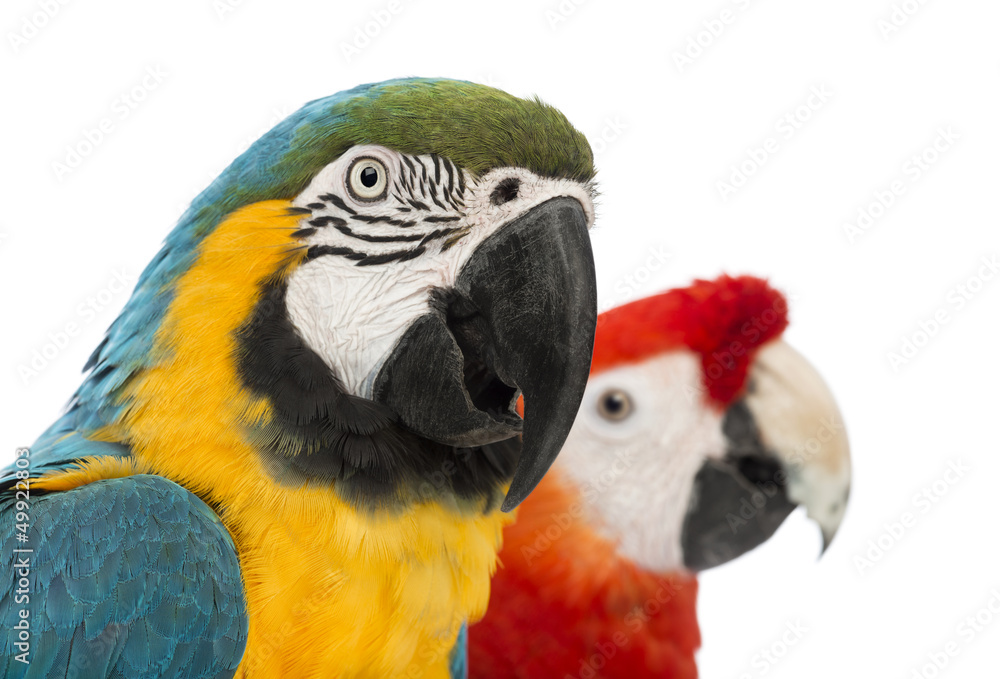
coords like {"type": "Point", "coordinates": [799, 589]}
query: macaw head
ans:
{"type": "Point", "coordinates": [701, 430]}
{"type": "Point", "coordinates": [368, 290]}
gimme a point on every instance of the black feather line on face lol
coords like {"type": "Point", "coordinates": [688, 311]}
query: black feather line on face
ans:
{"type": "Point", "coordinates": [409, 238]}
{"type": "Point", "coordinates": [337, 201]}
{"type": "Point", "coordinates": [396, 256]}
{"type": "Point", "coordinates": [440, 233]}
{"type": "Point", "coordinates": [324, 250]}
{"type": "Point", "coordinates": [383, 219]}
{"type": "Point", "coordinates": [319, 432]}
{"type": "Point", "coordinates": [437, 168]}
{"type": "Point", "coordinates": [438, 202]}
{"type": "Point", "coordinates": [450, 189]}
{"type": "Point", "coordinates": [327, 220]}
{"type": "Point", "coordinates": [400, 184]}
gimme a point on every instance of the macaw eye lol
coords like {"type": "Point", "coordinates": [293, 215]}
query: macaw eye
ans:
{"type": "Point", "coordinates": [367, 179]}
{"type": "Point", "coordinates": [614, 405]}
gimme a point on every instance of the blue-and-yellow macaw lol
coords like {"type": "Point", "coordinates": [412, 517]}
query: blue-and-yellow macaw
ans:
{"type": "Point", "coordinates": [293, 451]}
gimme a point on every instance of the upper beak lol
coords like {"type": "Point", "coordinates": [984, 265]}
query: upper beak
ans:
{"type": "Point", "coordinates": [520, 319]}
{"type": "Point", "coordinates": [787, 447]}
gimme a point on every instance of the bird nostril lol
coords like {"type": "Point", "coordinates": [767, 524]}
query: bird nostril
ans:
{"type": "Point", "coordinates": [505, 191]}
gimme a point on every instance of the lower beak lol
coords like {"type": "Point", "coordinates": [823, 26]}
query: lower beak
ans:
{"type": "Point", "coordinates": [737, 502]}
{"type": "Point", "coordinates": [787, 447]}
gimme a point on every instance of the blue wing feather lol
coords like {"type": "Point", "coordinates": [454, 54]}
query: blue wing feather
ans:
{"type": "Point", "coordinates": [133, 577]}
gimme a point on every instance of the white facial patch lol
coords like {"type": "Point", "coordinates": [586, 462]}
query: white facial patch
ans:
{"type": "Point", "coordinates": [374, 263]}
{"type": "Point", "coordinates": [636, 473]}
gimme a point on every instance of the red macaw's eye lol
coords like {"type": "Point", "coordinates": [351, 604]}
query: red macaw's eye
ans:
{"type": "Point", "coordinates": [614, 405]}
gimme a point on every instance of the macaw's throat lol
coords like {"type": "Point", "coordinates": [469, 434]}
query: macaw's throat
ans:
{"type": "Point", "coordinates": [315, 430]}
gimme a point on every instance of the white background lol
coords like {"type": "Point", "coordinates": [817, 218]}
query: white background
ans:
{"type": "Point", "coordinates": [671, 133]}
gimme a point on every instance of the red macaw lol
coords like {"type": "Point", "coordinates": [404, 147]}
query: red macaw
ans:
{"type": "Point", "coordinates": [700, 432]}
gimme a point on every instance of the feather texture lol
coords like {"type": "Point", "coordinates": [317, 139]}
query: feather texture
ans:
{"type": "Point", "coordinates": [132, 577]}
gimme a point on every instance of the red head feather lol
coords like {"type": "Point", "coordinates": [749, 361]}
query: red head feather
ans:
{"type": "Point", "coordinates": [724, 321]}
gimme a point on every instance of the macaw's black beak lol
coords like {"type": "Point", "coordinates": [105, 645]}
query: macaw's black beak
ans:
{"type": "Point", "coordinates": [787, 448]}
{"type": "Point", "coordinates": [519, 320]}
{"type": "Point", "coordinates": [738, 502]}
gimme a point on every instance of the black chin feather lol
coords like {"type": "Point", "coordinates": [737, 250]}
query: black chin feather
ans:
{"type": "Point", "coordinates": [320, 432]}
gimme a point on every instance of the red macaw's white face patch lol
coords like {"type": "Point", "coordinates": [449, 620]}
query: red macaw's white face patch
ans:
{"type": "Point", "coordinates": [385, 230]}
{"type": "Point", "coordinates": [642, 434]}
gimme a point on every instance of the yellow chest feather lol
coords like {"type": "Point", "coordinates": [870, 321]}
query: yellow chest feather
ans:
{"type": "Point", "coordinates": [334, 594]}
